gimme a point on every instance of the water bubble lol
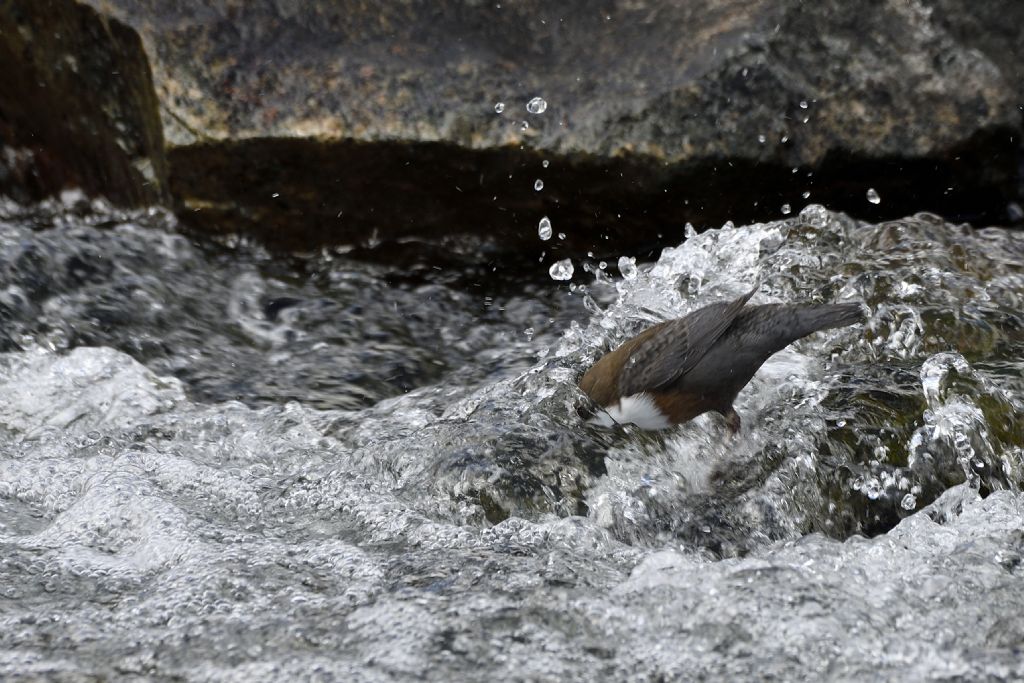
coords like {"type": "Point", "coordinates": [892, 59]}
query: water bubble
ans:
{"type": "Point", "coordinates": [627, 266]}
{"type": "Point", "coordinates": [538, 185]}
{"type": "Point", "coordinates": [803, 104]}
{"type": "Point", "coordinates": [561, 270]}
{"type": "Point", "coordinates": [499, 107]}
{"type": "Point", "coordinates": [909, 502]}
{"type": "Point", "coordinates": [762, 139]}
{"type": "Point", "coordinates": [602, 265]}
{"type": "Point", "coordinates": [536, 106]}
{"type": "Point", "coordinates": [786, 209]}
{"type": "Point", "coordinates": [873, 196]}
{"type": "Point", "coordinates": [544, 229]}
{"type": "Point", "coordinates": [545, 163]}
{"type": "Point", "coordinates": [529, 332]}
{"type": "Point", "coordinates": [525, 125]}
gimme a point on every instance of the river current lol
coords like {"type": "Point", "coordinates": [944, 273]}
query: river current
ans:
{"type": "Point", "coordinates": [218, 464]}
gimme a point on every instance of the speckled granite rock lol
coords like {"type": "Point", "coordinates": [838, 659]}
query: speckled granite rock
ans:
{"type": "Point", "coordinates": [992, 28]}
{"type": "Point", "coordinates": [677, 81]}
{"type": "Point", "coordinates": [374, 124]}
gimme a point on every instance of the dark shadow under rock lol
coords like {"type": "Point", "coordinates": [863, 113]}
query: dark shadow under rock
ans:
{"type": "Point", "coordinates": [408, 203]}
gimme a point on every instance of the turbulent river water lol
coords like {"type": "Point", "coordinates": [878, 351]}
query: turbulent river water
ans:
{"type": "Point", "coordinates": [215, 464]}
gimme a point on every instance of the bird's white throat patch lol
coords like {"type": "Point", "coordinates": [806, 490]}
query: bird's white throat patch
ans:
{"type": "Point", "coordinates": [639, 409]}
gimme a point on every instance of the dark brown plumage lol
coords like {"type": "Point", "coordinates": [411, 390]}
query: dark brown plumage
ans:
{"type": "Point", "coordinates": [676, 370]}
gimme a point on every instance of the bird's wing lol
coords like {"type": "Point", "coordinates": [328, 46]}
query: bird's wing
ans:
{"type": "Point", "coordinates": [670, 354]}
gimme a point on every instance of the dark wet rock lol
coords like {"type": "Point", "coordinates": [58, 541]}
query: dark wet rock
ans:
{"type": "Point", "coordinates": [77, 106]}
{"type": "Point", "coordinates": [375, 127]}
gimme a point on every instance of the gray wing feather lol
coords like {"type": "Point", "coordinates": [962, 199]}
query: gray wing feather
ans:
{"type": "Point", "coordinates": [677, 347]}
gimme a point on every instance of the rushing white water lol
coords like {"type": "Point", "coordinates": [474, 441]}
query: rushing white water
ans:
{"type": "Point", "coordinates": [463, 522]}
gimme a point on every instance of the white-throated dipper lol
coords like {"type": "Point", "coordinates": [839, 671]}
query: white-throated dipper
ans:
{"type": "Point", "coordinates": [676, 370]}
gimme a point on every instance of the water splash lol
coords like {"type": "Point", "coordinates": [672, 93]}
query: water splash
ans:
{"type": "Point", "coordinates": [476, 513]}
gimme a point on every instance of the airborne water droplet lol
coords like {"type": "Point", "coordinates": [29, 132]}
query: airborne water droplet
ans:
{"type": "Point", "coordinates": [561, 270]}
{"type": "Point", "coordinates": [536, 106]}
{"type": "Point", "coordinates": [873, 196]}
{"type": "Point", "coordinates": [538, 185]}
{"type": "Point", "coordinates": [627, 266]}
{"type": "Point", "coordinates": [786, 209]}
{"type": "Point", "coordinates": [545, 163]}
{"type": "Point", "coordinates": [499, 107]}
{"type": "Point", "coordinates": [762, 139]}
{"type": "Point", "coordinates": [544, 229]}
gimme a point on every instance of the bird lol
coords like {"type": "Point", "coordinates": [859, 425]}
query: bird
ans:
{"type": "Point", "coordinates": [676, 370]}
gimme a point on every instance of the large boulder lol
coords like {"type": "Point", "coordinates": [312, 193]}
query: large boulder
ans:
{"type": "Point", "coordinates": [374, 124]}
{"type": "Point", "coordinates": [77, 106]}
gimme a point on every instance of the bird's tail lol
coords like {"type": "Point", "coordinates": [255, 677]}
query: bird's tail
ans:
{"type": "Point", "coordinates": [763, 330]}
{"type": "Point", "coordinates": [809, 319]}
